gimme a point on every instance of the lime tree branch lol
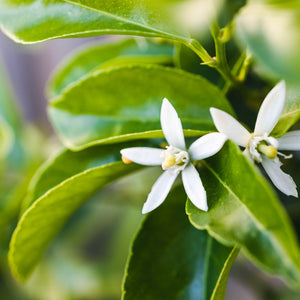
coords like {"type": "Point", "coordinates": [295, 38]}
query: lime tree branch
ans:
{"type": "Point", "coordinates": [239, 70]}
{"type": "Point", "coordinates": [200, 51]}
{"type": "Point", "coordinates": [221, 37]}
{"type": "Point", "coordinates": [219, 62]}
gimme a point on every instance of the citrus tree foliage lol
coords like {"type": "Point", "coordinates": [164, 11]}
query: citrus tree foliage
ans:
{"type": "Point", "coordinates": [107, 97]}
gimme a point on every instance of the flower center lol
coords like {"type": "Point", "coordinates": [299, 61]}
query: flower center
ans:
{"type": "Point", "coordinates": [263, 144]}
{"type": "Point", "coordinates": [175, 159]}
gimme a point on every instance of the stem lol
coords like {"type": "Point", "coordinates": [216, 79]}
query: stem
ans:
{"type": "Point", "coordinates": [239, 70]}
{"type": "Point", "coordinates": [219, 62]}
{"type": "Point", "coordinates": [200, 51]}
{"type": "Point", "coordinates": [221, 59]}
{"type": "Point", "coordinates": [241, 75]}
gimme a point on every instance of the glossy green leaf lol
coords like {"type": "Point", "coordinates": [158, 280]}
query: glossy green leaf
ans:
{"type": "Point", "coordinates": [291, 112]}
{"type": "Point", "coordinates": [123, 103]}
{"type": "Point", "coordinates": [100, 55]}
{"type": "Point", "coordinates": [61, 187]}
{"type": "Point", "coordinates": [38, 20]}
{"type": "Point", "coordinates": [244, 211]}
{"type": "Point", "coordinates": [271, 29]}
{"type": "Point", "coordinates": [170, 259]}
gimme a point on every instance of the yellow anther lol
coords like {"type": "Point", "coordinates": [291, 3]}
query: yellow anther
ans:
{"type": "Point", "coordinates": [169, 162]}
{"type": "Point", "coordinates": [268, 150]}
{"type": "Point", "coordinates": [126, 160]}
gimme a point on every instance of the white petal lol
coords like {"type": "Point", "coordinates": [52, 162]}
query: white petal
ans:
{"type": "Point", "coordinates": [144, 155]}
{"type": "Point", "coordinates": [159, 191]}
{"type": "Point", "coordinates": [281, 180]}
{"type": "Point", "coordinates": [171, 125]}
{"type": "Point", "coordinates": [290, 141]}
{"type": "Point", "coordinates": [246, 152]}
{"type": "Point", "coordinates": [194, 188]}
{"type": "Point", "coordinates": [229, 126]}
{"type": "Point", "coordinates": [270, 110]}
{"type": "Point", "coordinates": [207, 145]}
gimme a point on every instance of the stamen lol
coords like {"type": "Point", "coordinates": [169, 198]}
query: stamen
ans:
{"type": "Point", "coordinates": [285, 156]}
{"type": "Point", "coordinates": [175, 159]}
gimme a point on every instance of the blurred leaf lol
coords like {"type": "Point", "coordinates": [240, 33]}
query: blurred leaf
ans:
{"type": "Point", "coordinates": [17, 138]}
{"type": "Point", "coordinates": [16, 163]}
{"type": "Point", "coordinates": [244, 211]}
{"type": "Point", "coordinates": [100, 55]}
{"type": "Point", "coordinates": [8, 107]}
{"type": "Point", "coordinates": [228, 10]}
{"type": "Point", "coordinates": [92, 249]}
{"type": "Point", "coordinates": [6, 138]}
{"type": "Point", "coordinates": [170, 259]}
{"type": "Point", "coordinates": [271, 29]}
{"type": "Point", "coordinates": [37, 20]}
{"type": "Point", "coordinates": [123, 103]}
{"type": "Point", "coordinates": [61, 187]}
{"type": "Point", "coordinates": [10, 125]}
{"type": "Point", "coordinates": [291, 112]}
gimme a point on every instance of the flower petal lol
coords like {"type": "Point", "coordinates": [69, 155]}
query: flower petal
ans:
{"type": "Point", "coordinates": [246, 152]}
{"type": "Point", "coordinates": [207, 145]}
{"type": "Point", "coordinates": [144, 155]}
{"type": "Point", "coordinates": [270, 110]}
{"type": "Point", "coordinates": [171, 125]}
{"type": "Point", "coordinates": [281, 180]}
{"type": "Point", "coordinates": [159, 191]}
{"type": "Point", "coordinates": [229, 126]}
{"type": "Point", "coordinates": [194, 187]}
{"type": "Point", "coordinates": [290, 141]}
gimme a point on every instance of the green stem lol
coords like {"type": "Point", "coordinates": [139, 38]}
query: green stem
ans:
{"type": "Point", "coordinates": [239, 70]}
{"type": "Point", "coordinates": [241, 75]}
{"type": "Point", "coordinates": [220, 36]}
{"type": "Point", "coordinates": [221, 59]}
{"type": "Point", "coordinates": [200, 51]}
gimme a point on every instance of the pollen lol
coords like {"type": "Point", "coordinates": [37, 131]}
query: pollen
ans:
{"type": "Point", "coordinates": [126, 160]}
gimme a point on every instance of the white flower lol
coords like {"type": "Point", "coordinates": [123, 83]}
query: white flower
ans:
{"type": "Point", "coordinates": [175, 159]}
{"type": "Point", "coordinates": [261, 147]}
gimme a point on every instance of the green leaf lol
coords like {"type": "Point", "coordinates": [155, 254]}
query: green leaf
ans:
{"type": "Point", "coordinates": [271, 30]}
{"type": "Point", "coordinates": [244, 211]}
{"type": "Point", "coordinates": [123, 103]}
{"type": "Point", "coordinates": [100, 55]}
{"type": "Point", "coordinates": [68, 164]}
{"type": "Point", "coordinates": [291, 112]}
{"type": "Point", "coordinates": [60, 188]}
{"type": "Point", "coordinates": [171, 260]}
{"type": "Point", "coordinates": [38, 20]}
